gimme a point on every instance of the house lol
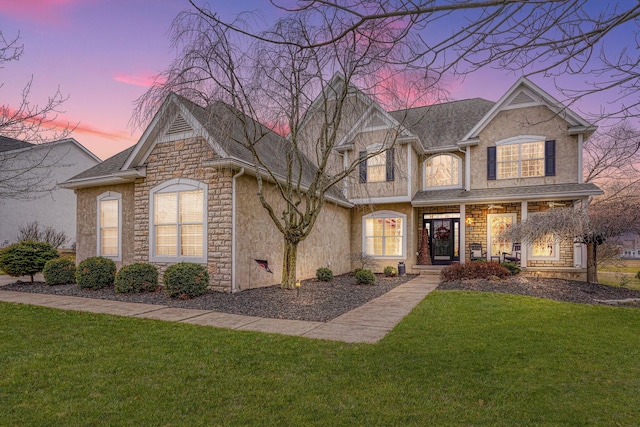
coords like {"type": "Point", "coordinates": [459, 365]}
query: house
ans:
{"type": "Point", "coordinates": [41, 167]}
{"type": "Point", "coordinates": [462, 170]}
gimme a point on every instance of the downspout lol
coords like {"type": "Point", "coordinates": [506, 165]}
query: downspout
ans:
{"type": "Point", "coordinates": [233, 230]}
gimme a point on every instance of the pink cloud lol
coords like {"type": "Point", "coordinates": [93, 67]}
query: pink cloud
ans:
{"type": "Point", "coordinates": [141, 79]}
{"type": "Point", "coordinates": [45, 11]}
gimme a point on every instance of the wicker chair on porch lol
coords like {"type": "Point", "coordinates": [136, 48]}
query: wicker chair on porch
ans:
{"type": "Point", "coordinates": [476, 253]}
{"type": "Point", "coordinates": [514, 256]}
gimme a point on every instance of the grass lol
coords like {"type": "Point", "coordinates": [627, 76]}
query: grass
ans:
{"type": "Point", "coordinates": [460, 358]}
{"type": "Point", "coordinates": [621, 275]}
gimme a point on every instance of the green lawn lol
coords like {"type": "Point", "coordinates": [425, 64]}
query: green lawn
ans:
{"type": "Point", "coordinates": [622, 275]}
{"type": "Point", "coordinates": [459, 358]}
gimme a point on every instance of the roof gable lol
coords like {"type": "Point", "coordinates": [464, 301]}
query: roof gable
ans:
{"type": "Point", "coordinates": [524, 93]}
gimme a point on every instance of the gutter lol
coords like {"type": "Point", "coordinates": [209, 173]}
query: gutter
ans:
{"type": "Point", "coordinates": [233, 230]}
{"type": "Point", "coordinates": [115, 178]}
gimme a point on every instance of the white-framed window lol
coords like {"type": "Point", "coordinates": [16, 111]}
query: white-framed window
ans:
{"type": "Point", "coordinates": [496, 225]}
{"type": "Point", "coordinates": [377, 168]}
{"type": "Point", "coordinates": [177, 221]}
{"type": "Point", "coordinates": [443, 170]}
{"type": "Point", "coordinates": [521, 160]}
{"type": "Point", "coordinates": [109, 241]}
{"type": "Point", "coordinates": [384, 234]}
{"type": "Point", "coordinates": [546, 247]}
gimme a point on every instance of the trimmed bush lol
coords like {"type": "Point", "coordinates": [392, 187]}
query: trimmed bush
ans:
{"type": "Point", "coordinates": [324, 274]}
{"type": "Point", "coordinates": [59, 271]}
{"type": "Point", "coordinates": [365, 277]}
{"type": "Point", "coordinates": [512, 267]}
{"type": "Point", "coordinates": [390, 271]}
{"type": "Point", "coordinates": [96, 273]}
{"type": "Point", "coordinates": [26, 258]}
{"type": "Point", "coordinates": [185, 280]}
{"type": "Point", "coordinates": [474, 270]}
{"type": "Point", "coordinates": [137, 278]}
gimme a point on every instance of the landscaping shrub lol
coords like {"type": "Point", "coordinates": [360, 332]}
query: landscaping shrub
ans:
{"type": "Point", "coordinates": [365, 277]}
{"type": "Point", "coordinates": [96, 273]}
{"type": "Point", "coordinates": [324, 274]}
{"type": "Point", "coordinates": [136, 278]}
{"type": "Point", "coordinates": [474, 270]}
{"type": "Point", "coordinates": [59, 271]}
{"type": "Point", "coordinates": [26, 258]}
{"type": "Point", "coordinates": [185, 280]}
{"type": "Point", "coordinates": [512, 267]}
{"type": "Point", "coordinates": [638, 275]}
{"type": "Point", "coordinates": [390, 271]}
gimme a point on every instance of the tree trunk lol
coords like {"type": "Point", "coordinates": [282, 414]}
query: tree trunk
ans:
{"type": "Point", "coordinates": [592, 265]}
{"type": "Point", "coordinates": [31, 277]}
{"type": "Point", "coordinates": [289, 265]}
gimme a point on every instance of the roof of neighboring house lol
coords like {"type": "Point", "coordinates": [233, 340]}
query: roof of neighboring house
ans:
{"type": "Point", "coordinates": [443, 125]}
{"type": "Point", "coordinates": [110, 166]}
{"type": "Point", "coordinates": [10, 144]}
{"type": "Point", "coordinates": [547, 192]}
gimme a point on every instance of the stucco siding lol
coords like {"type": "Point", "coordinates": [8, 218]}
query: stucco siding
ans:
{"type": "Point", "coordinates": [257, 237]}
{"type": "Point", "coordinates": [537, 120]}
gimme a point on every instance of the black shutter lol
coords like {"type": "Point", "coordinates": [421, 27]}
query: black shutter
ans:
{"type": "Point", "coordinates": [390, 162]}
{"type": "Point", "coordinates": [491, 163]}
{"type": "Point", "coordinates": [550, 158]}
{"type": "Point", "coordinates": [363, 166]}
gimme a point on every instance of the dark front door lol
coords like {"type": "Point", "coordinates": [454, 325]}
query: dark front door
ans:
{"type": "Point", "coordinates": [443, 239]}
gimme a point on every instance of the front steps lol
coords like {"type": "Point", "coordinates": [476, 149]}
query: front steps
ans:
{"type": "Point", "coordinates": [429, 270]}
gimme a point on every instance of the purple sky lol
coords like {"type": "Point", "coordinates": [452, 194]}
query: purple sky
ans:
{"type": "Point", "coordinates": [102, 53]}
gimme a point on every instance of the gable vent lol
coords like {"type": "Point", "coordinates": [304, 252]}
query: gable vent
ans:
{"type": "Point", "coordinates": [179, 125]}
{"type": "Point", "coordinates": [522, 98]}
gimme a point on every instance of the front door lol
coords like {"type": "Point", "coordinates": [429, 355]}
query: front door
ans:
{"type": "Point", "coordinates": [443, 239]}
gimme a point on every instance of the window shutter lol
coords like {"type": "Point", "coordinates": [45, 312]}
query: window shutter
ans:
{"type": "Point", "coordinates": [550, 158]}
{"type": "Point", "coordinates": [390, 162]}
{"type": "Point", "coordinates": [491, 163]}
{"type": "Point", "coordinates": [363, 166]}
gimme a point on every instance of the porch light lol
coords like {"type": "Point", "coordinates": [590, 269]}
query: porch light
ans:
{"type": "Point", "coordinates": [469, 221]}
{"type": "Point", "coordinates": [495, 207]}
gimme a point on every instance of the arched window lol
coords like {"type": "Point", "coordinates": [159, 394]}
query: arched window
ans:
{"type": "Point", "coordinates": [443, 170]}
{"type": "Point", "coordinates": [177, 221]}
{"type": "Point", "coordinates": [109, 225]}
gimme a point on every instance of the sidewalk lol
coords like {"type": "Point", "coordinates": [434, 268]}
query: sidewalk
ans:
{"type": "Point", "coordinates": [366, 324]}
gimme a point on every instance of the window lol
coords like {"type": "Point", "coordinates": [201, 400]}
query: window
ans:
{"type": "Point", "coordinates": [177, 221]}
{"type": "Point", "coordinates": [521, 157]}
{"type": "Point", "coordinates": [545, 247]}
{"type": "Point", "coordinates": [378, 168]}
{"type": "Point", "coordinates": [384, 234]}
{"type": "Point", "coordinates": [109, 225]}
{"type": "Point", "coordinates": [443, 171]}
{"type": "Point", "coordinates": [497, 223]}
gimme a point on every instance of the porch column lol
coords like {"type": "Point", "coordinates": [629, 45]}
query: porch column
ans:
{"type": "Point", "coordinates": [524, 206]}
{"type": "Point", "coordinates": [463, 227]}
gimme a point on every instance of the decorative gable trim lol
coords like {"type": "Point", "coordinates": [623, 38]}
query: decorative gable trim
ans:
{"type": "Point", "coordinates": [179, 125]}
{"type": "Point", "coordinates": [522, 89]}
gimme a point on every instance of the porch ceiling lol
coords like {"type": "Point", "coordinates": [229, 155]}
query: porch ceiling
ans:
{"type": "Point", "coordinates": [515, 194]}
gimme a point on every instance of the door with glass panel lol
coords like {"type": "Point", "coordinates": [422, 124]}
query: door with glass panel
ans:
{"type": "Point", "coordinates": [443, 237]}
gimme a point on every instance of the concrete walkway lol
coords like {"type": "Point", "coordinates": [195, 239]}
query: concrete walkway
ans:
{"type": "Point", "coordinates": [366, 324]}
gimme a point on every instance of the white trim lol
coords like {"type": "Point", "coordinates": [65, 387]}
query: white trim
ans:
{"type": "Point", "coordinates": [524, 250]}
{"type": "Point", "coordinates": [409, 171]}
{"type": "Point", "coordinates": [462, 251]}
{"type": "Point", "coordinates": [385, 214]}
{"type": "Point", "coordinates": [108, 196]}
{"type": "Point", "coordinates": [442, 187]}
{"type": "Point", "coordinates": [373, 200]}
{"type": "Point", "coordinates": [234, 245]}
{"type": "Point", "coordinates": [521, 139]}
{"type": "Point", "coordinates": [467, 169]}
{"type": "Point", "coordinates": [580, 148]}
{"type": "Point", "coordinates": [171, 186]}
{"type": "Point", "coordinates": [556, 249]}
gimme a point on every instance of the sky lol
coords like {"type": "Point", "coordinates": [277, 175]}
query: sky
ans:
{"type": "Point", "coordinates": [103, 54]}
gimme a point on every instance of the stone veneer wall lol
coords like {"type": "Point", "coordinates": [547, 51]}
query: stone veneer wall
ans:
{"type": "Point", "coordinates": [183, 159]}
{"type": "Point", "coordinates": [565, 247]}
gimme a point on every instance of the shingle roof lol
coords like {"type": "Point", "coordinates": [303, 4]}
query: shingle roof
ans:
{"type": "Point", "coordinates": [443, 125]}
{"type": "Point", "coordinates": [9, 144]}
{"type": "Point", "coordinates": [459, 195]}
{"type": "Point", "coordinates": [110, 166]}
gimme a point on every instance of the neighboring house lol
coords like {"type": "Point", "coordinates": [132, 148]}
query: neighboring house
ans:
{"type": "Point", "coordinates": [462, 170]}
{"type": "Point", "coordinates": [47, 165]}
{"type": "Point", "coordinates": [629, 245]}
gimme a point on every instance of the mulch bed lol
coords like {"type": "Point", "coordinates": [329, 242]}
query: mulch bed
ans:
{"type": "Point", "coordinates": [555, 289]}
{"type": "Point", "coordinates": [317, 301]}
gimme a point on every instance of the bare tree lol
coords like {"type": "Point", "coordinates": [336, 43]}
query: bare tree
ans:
{"type": "Point", "coordinates": [32, 232]}
{"type": "Point", "coordinates": [26, 173]}
{"type": "Point", "coordinates": [305, 93]}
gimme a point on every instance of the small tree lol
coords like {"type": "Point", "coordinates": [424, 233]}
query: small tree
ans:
{"type": "Point", "coordinates": [32, 232]}
{"type": "Point", "coordinates": [26, 258]}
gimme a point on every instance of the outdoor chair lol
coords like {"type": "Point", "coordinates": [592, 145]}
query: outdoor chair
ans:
{"type": "Point", "coordinates": [514, 256]}
{"type": "Point", "coordinates": [476, 253]}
